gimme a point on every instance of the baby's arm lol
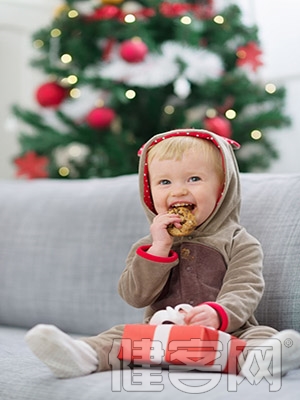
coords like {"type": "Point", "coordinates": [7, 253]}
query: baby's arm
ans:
{"type": "Point", "coordinates": [149, 264]}
{"type": "Point", "coordinates": [145, 276]}
{"type": "Point", "coordinates": [243, 283]}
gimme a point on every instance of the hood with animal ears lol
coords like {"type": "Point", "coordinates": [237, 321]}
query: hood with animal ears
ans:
{"type": "Point", "coordinates": [228, 206]}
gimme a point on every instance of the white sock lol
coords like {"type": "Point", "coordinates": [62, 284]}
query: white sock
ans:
{"type": "Point", "coordinates": [66, 357]}
{"type": "Point", "coordinates": [287, 344]}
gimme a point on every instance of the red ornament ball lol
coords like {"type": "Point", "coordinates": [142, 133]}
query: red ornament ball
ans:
{"type": "Point", "coordinates": [51, 94]}
{"type": "Point", "coordinates": [100, 118]}
{"type": "Point", "coordinates": [219, 125]}
{"type": "Point", "coordinates": [133, 50]}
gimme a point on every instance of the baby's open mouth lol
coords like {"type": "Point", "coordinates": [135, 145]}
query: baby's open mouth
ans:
{"type": "Point", "coordinates": [189, 206]}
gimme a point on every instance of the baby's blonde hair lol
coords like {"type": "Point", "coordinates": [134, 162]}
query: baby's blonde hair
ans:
{"type": "Point", "coordinates": [173, 148]}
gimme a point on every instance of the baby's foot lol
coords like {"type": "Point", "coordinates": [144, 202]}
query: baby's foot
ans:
{"type": "Point", "coordinates": [287, 345]}
{"type": "Point", "coordinates": [66, 357]}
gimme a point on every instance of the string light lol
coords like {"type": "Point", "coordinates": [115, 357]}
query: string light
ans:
{"type": "Point", "coordinates": [64, 171]}
{"type": "Point", "coordinates": [218, 19]}
{"type": "Point", "coordinates": [270, 88]}
{"type": "Point", "coordinates": [55, 32]}
{"type": "Point", "coordinates": [66, 58]}
{"type": "Point", "coordinates": [73, 14]}
{"type": "Point", "coordinates": [130, 94]}
{"type": "Point", "coordinates": [186, 20]}
{"type": "Point", "coordinates": [75, 93]}
{"type": "Point", "coordinates": [129, 18]}
{"type": "Point", "coordinates": [256, 134]}
{"type": "Point", "coordinates": [72, 79]}
{"type": "Point", "coordinates": [37, 44]}
{"type": "Point", "coordinates": [169, 110]}
{"type": "Point", "coordinates": [230, 114]}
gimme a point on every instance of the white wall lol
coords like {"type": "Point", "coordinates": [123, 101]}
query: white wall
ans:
{"type": "Point", "coordinates": [279, 31]}
{"type": "Point", "coordinates": [18, 20]}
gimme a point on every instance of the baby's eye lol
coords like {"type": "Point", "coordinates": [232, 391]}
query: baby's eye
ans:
{"type": "Point", "coordinates": [194, 179]}
{"type": "Point", "coordinates": [164, 182]}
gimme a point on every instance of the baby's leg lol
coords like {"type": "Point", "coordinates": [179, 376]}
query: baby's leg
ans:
{"type": "Point", "coordinates": [67, 357]}
{"type": "Point", "coordinates": [107, 346]}
{"type": "Point", "coordinates": [284, 347]}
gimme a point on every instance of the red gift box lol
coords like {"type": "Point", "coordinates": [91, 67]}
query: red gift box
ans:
{"type": "Point", "coordinates": [186, 347]}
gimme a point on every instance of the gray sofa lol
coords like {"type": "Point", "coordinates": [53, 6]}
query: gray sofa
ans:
{"type": "Point", "coordinates": [62, 248]}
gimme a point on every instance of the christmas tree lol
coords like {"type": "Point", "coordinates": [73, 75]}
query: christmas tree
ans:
{"type": "Point", "coordinates": [117, 72]}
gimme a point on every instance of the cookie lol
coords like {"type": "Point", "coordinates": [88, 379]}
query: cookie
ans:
{"type": "Point", "coordinates": [188, 221]}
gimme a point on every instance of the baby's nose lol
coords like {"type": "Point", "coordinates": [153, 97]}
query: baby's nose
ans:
{"type": "Point", "coordinates": [179, 191]}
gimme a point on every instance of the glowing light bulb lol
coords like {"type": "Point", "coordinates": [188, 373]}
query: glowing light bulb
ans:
{"type": "Point", "coordinates": [169, 110]}
{"type": "Point", "coordinates": [66, 58]}
{"type": "Point", "coordinates": [256, 134]}
{"type": "Point", "coordinates": [37, 44]}
{"type": "Point", "coordinates": [55, 32]}
{"type": "Point", "coordinates": [130, 94]}
{"type": "Point", "coordinates": [230, 114]}
{"type": "Point", "coordinates": [73, 14]}
{"type": "Point", "coordinates": [186, 20]}
{"type": "Point", "coordinates": [75, 93]}
{"type": "Point", "coordinates": [129, 18]}
{"type": "Point", "coordinates": [72, 79]}
{"type": "Point", "coordinates": [270, 88]}
{"type": "Point", "coordinates": [64, 171]}
{"type": "Point", "coordinates": [218, 19]}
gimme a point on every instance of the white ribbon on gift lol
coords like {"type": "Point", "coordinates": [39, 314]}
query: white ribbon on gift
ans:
{"type": "Point", "coordinates": [171, 315]}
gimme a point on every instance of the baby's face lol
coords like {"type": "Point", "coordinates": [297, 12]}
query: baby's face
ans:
{"type": "Point", "coordinates": [190, 181]}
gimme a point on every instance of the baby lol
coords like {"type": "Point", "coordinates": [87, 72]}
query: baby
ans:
{"type": "Point", "coordinates": [215, 271]}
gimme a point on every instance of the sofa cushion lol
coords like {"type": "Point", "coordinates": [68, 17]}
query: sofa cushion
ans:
{"type": "Point", "coordinates": [24, 377]}
{"type": "Point", "coordinates": [63, 247]}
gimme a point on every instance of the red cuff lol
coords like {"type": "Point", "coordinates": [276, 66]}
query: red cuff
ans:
{"type": "Point", "coordinates": [222, 314]}
{"type": "Point", "coordinates": [142, 251]}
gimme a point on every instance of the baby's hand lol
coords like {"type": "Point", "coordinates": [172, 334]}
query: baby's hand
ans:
{"type": "Point", "coordinates": [203, 315]}
{"type": "Point", "coordinates": [162, 240]}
